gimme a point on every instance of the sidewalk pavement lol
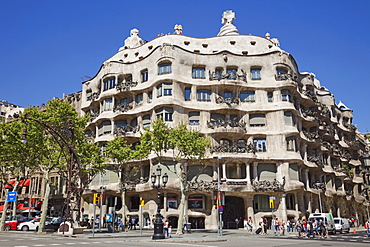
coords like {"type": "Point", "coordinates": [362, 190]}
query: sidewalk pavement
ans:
{"type": "Point", "coordinates": [196, 236]}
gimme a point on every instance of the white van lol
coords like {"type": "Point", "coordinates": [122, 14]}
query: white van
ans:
{"type": "Point", "coordinates": [327, 218]}
{"type": "Point", "coordinates": [341, 225]}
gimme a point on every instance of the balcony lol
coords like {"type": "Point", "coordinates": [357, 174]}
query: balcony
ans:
{"type": "Point", "coordinates": [315, 160]}
{"type": "Point", "coordinates": [125, 85]}
{"type": "Point", "coordinates": [234, 148]}
{"type": "Point", "coordinates": [216, 76]}
{"type": "Point", "coordinates": [232, 123]}
{"type": "Point", "coordinates": [268, 186]}
{"type": "Point", "coordinates": [123, 107]}
{"type": "Point", "coordinates": [91, 96]}
{"type": "Point", "coordinates": [349, 126]}
{"type": "Point", "coordinates": [123, 130]}
{"type": "Point", "coordinates": [229, 101]}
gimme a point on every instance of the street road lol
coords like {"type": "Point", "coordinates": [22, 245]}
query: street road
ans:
{"type": "Point", "coordinates": [33, 240]}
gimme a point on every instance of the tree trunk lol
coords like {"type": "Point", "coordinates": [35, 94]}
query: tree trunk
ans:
{"type": "Point", "coordinates": [181, 208]}
{"type": "Point", "coordinates": [45, 202]}
{"type": "Point", "coordinates": [2, 222]}
{"type": "Point", "coordinates": [123, 195]}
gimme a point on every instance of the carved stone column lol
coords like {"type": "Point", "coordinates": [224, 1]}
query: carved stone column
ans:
{"type": "Point", "coordinates": [223, 171]}
{"type": "Point", "coordinates": [248, 172]}
{"type": "Point", "coordinates": [255, 175]}
{"type": "Point", "coordinates": [307, 180]}
{"type": "Point", "coordinates": [250, 211]}
{"type": "Point", "coordinates": [283, 207]}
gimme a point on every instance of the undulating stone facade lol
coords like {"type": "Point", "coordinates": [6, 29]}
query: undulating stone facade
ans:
{"type": "Point", "coordinates": [275, 131]}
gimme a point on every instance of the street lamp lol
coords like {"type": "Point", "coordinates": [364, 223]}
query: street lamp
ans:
{"type": "Point", "coordinates": [319, 186]}
{"type": "Point", "coordinates": [158, 223]}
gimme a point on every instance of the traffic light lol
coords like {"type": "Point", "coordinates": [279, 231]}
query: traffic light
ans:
{"type": "Point", "coordinates": [96, 199]}
{"type": "Point", "coordinates": [142, 202]}
{"type": "Point", "coordinates": [272, 203]}
{"type": "Point", "coordinates": [216, 204]}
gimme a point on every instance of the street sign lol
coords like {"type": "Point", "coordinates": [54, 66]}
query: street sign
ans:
{"type": "Point", "coordinates": [272, 197]}
{"type": "Point", "coordinates": [12, 196]}
{"type": "Point", "coordinates": [220, 209]}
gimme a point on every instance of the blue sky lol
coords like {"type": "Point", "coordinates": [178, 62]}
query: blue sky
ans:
{"type": "Point", "coordinates": [47, 47]}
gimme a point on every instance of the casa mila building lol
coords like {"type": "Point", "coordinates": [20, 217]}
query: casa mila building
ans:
{"type": "Point", "coordinates": [275, 132]}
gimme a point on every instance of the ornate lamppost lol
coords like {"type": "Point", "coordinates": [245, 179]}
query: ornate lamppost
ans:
{"type": "Point", "coordinates": [158, 223]}
{"type": "Point", "coordinates": [319, 186]}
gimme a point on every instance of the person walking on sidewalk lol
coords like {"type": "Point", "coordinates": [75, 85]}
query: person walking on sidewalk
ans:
{"type": "Point", "coordinates": [367, 227]}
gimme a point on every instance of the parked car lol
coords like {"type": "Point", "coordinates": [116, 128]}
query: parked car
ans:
{"type": "Point", "coordinates": [29, 225]}
{"type": "Point", "coordinates": [342, 225]}
{"type": "Point", "coordinates": [52, 225]}
{"type": "Point", "coordinates": [11, 223]}
{"type": "Point", "coordinates": [328, 220]}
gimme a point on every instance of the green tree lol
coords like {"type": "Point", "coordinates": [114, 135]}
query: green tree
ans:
{"type": "Point", "coordinates": [120, 153]}
{"type": "Point", "coordinates": [187, 147]}
{"type": "Point", "coordinates": [56, 142]}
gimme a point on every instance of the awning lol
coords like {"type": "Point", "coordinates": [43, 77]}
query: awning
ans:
{"type": "Point", "coordinates": [10, 184]}
{"type": "Point", "coordinates": [22, 207]}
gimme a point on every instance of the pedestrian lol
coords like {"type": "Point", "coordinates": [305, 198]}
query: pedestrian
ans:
{"type": "Point", "coordinates": [367, 227]}
{"type": "Point", "coordinates": [128, 222]}
{"type": "Point", "coordinates": [184, 225]}
{"type": "Point", "coordinates": [250, 224]}
{"type": "Point", "coordinates": [282, 228]}
{"type": "Point", "coordinates": [265, 225]}
{"type": "Point", "coordinates": [169, 231]}
{"type": "Point", "coordinates": [298, 228]}
{"type": "Point", "coordinates": [133, 223]}
{"type": "Point", "coordinates": [165, 228]}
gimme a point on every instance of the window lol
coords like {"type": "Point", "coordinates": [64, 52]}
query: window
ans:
{"type": "Point", "coordinates": [172, 201]}
{"type": "Point", "coordinates": [235, 171]}
{"type": "Point", "coordinates": [266, 172]}
{"type": "Point", "coordinates": [109, 83]}
{"type": "Point", "coordinates": [270, 96]}
{"type": "Point", "coordinates": [259, 144]}
{"type": "Point", "coordinates": [217, 117]}
{"type": "Point", "coordinates": [204, 95]}
{"type": "Point", "coordinates": [231, 72]}
{"type": "Point", "coordinates": [228, 95]}
{"type": "Point", "coordinates": [293, 171]}
{"type": "Point", "coordinates": [105, 128]}
{"type": "Point", "coordinates": [107, 104]}
{"type": "Point", "coordinates": [247, 96]}
{"type": "Point", "coordinates": [286, 95]}
{"type": "Point", "coordinates": [164, 68]}
{"type": "Point", "coordinates": [187, 94]}
{"type": "Point", "coordinates": [256, 74]}
{"type": "Point", "coordinates": [196, 202]}
{"type": "Point", "coordinates": [257, 120]}
{"type": "Point", "coordinates": [121, 123]}
{"type": "Point", "coordinates": [146, 121]}
{"type": "Point", "coordinates": [290, 202]}
{"type": "Point", "coordinates": [144, 75]}
{"type": "Point", "coordinates": [164, 89]}
{"type": "Point", "coordinates": [261, 203]}
{"type": "Point", "coordinates": [194, 118]}
{"type": "Point", "coordinates": [218, 73]}
{"type": "Point", "coordinates": [289, 118]}
{"type": "Point", "coordinates": [150, 97]}
{"type": "Point", "coordinates": [281, 74]}
{"type": "Point", "coordinates": [139, 99]}
{"type": "Point", "coordinates": [134, 202]}
{"type": "Point", "coordinates": [165, 113]}
{"type": "Point", "coordinates": [291, 144]}
{"type": "Point", "coordinates": [198, 73]}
